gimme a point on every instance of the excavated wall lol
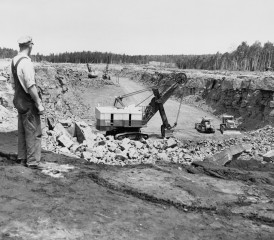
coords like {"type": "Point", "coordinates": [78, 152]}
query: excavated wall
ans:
{"type": "Point", "coordinates": [57, 86]}
{"type": "Point", "coordinates": [60, 87]}
{"type": "Point", "coordinates": [249, 97]}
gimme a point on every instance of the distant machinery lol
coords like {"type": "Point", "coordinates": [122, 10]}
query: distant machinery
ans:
{"type": "Point", "coordinates": [205, 126]}
{"type": "Point", "coordinates": [228, 125]}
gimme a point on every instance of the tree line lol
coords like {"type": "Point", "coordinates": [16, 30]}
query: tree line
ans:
{"type": "Point", "coordinates": [7, 53]}
{"type": "Point", "coordinates": [247, 58]}
{"type": "Point", "coordinates": [92, 57]}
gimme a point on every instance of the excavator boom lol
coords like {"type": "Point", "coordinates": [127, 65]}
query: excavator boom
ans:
{"type": "Point", "coordinates": [159, 99]}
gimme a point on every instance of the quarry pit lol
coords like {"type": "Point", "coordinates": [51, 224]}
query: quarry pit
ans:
{"type": "Point", "coordinates": [191, 186]}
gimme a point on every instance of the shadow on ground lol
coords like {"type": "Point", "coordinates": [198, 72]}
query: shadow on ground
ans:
{"type": "Point", "coordinates": [8, 142]}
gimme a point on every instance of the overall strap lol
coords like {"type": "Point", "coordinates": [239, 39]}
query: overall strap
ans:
{"type": "Point", "coordinates": [22, 100]}
{"type": "Point", "coordinates": [14, 68]}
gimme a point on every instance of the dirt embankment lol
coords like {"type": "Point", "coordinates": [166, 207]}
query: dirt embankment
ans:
{"type": "Point", "coordinates": [248, 96]}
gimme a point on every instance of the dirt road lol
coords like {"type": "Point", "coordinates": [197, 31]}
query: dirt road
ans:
{"type": "Point", "coordinates": [188, 116]}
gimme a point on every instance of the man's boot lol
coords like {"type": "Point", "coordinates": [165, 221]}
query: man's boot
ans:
{"type": "Point", "coordinates": [35, 165]}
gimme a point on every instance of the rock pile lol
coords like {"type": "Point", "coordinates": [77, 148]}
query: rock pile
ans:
{"type": "Point", "coordinates": [258, 144]}
{"type": "Point", "coordinates": [78, 139]}
{"type": "Point", "coordinates": [262, 141]}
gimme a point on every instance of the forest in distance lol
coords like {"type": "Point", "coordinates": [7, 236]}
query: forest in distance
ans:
{"type": "Point", "coordinates": [255, 57]}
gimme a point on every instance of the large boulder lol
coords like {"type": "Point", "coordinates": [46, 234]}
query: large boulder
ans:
{"type": "Point", "coordinates": [83, 132]}
{"type": "Point", "coordinates": [227, 155]}
{"type": "Point", "coordinates": [132, 153]}
{"type": "Point", "coordinates": [87, 155]}
{"type": "Point", "coordinates": [60, 130]}
{"type": "Point", "coordinates": [269, 156]}
{"type": "Point", "coordinates": [171, 143]}
{"type": "Point", "coordinates": [65, 141]}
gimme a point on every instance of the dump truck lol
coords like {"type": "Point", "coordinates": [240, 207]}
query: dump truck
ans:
{"type": "Point", "coordinates": [205, 126]}
{"type": "Point", "coordinates": [123, 121]}
{"type": "Point", "coordinates": [228, 125]}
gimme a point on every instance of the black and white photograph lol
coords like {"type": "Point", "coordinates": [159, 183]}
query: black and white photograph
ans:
{"type": "Point", "coordinates": [136, 120]}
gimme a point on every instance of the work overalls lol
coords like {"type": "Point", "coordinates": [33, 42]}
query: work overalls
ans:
{"type": "Point", "coordinates": [29, 124]}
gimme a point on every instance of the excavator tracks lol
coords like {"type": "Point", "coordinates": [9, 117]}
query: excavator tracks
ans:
{"type": "Point", "coordinates": [131, 135]}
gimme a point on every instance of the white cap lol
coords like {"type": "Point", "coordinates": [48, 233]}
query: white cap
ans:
{"type": "Point", "coordinates": [25, 40]}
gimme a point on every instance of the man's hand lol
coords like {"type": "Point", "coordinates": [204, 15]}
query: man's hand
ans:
{"type": "Point", "coordinates": [38, 103]}
{"type": "Point", "coordinates": [41, 109]}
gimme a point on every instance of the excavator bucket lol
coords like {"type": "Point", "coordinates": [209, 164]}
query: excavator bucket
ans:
{"type": "Point", "coordinates": [166, 133]}
{"type": "Point", "coordinates": [169, 133]}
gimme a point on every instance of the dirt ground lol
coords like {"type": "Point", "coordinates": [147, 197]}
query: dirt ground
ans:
{"type": "Point", "coordinates": [83, 206]}
{"type": "Point", "coordinates": [166, 201]}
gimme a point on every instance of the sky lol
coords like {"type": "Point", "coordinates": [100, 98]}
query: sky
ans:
{"type": "Point", "coordinates": [136, 27]}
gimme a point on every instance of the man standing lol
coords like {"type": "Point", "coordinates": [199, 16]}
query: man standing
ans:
{"type": "Point", "coordinates": [28, 104]}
